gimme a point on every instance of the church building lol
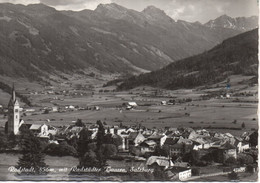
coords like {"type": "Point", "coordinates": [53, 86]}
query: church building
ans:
{"type": "Point", "coordinates": [13, 123]}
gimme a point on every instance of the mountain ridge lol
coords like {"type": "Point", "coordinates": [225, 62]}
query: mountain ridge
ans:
{"type": "Point", "coordinates": [236, 55]}
{"type": "Point", "coordinates": [37, 40]}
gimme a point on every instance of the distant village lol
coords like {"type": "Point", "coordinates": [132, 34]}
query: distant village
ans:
{"type": "Point", "coordinates": [174, 150]}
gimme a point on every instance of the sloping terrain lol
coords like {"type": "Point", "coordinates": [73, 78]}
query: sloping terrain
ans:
{"type": "Point", "coordinates": [37, 40]}
{"type": "Point", "coordinates": [236, 55]}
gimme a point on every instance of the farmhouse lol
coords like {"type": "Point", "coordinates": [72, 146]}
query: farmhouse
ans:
{"type": "Point", "coordinates": [135, 138]}
{"type": "Point", "coordinates": [159, 161]}
{"type": "Point", "coordinates": [163, 102]}
{"type": "Point", "coordinates": [148, 146]}
{"type": "Point", "coordinates": [225, 151]}
{"type": "Point", "coordinates": [39, 130]}
{"type": "Point", "coordinates": [130, 105]}
{"type": "Point", "coordinates": [178, 173]}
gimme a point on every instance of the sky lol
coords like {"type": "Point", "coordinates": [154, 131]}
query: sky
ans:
{"type": "Point", "coordinates": [188, 10]}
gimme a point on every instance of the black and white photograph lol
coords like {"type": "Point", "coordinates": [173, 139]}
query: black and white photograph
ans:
{"type": "Point", "coordinates": [129, 90]}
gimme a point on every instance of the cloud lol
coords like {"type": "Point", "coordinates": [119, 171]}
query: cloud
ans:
{"type": "Point", "coordinates": [25, 2]}
{"type": "Point", "coordinates": [74, 4]}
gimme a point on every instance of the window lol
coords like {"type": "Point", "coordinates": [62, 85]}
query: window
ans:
{"type": "Point", "coordinates": [16, 110]}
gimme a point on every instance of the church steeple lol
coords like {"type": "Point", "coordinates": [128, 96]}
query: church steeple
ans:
{"type": "Point", "coordinates": [13, 93]}
{"type": "Point", "coordinates": [13, 114]}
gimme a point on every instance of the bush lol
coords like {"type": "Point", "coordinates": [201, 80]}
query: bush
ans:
{"type": "Point", "coordinates": [89, 159]}
{"type": "Point", "coordinates": [245, 159]}
{"type": "Point", "coordinates": [79, 123]}
{"type": "Point", "coordinates": [233, 176]}
{"type": "Point", "coordinates": [195, 171]}
{"type": "Point", "coordinates": [135, 151]}
{"type": "Point", "coordinates": [250, 168]}
{"type": "Point", "coordinates": [230, 161]}
{"type": "Point", "coordinates": [201, 163]}
{"type": "Point", "coordinates": [62, 149]}
{"type": "Point", "coordinates": [108, 150]}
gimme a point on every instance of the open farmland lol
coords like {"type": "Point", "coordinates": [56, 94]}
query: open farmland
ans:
{"type": "Point", "coordinates": [214, 111]}
{"type": "Point", "coordinates": [150, 113]}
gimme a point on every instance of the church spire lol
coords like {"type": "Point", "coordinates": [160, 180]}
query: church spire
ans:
{"type": "Point", "coordinates": [13, 93]}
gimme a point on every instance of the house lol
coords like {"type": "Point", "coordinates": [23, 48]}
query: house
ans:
{"type": "Point", "coordinates": [177, 149]}
{"type": "Point", "coordinates": [225, 151]}
{"type": "Point", "coordinates": [135, 138]}
{"type": "Point", "coordinates": [55, 109]}
{"type": "Point", "coordinates": [130, 105]}
{"type": "Point", "coordinates": [133, 104]}
{"type": "Point", "coordinates": [185, 141]}
{"type": "Point", "coordinates": [52, 130]}
{"type": "Point", "coordinates": [163, 102]}
{"type": "Point", "coordinates": [76, 130]}
{"type": "Point", "coordinates": [158, 138]}
{"type": "Point", "coordinates": [241, 146]}
{"type": "Point", "coordinates": [96, 108]}
{"type": "Point", "coordinates": [39, 130]}
{"type": "Point", "coordinates": [170, 141]}
{"type": "Point", "coordinates": [178, 173]}
{"type": "Point", "coordinates": [147, 146]}
{"type": "Point", "coordinates": [159, 161]}
{"type": "Point", "coordinates": [29, 110]}
{"type": "Point", "coordinates": [114, 139]}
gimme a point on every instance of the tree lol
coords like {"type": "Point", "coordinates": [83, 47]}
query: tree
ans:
{"type": "Point", "coordinates": [12, 140]}
{"type": "Point", "coordinates": [195, 171]}
{"type": "Point", "coordinates": [100, 140]}
{"type": "Point", "coordinates": [230, 161]}
{"type": "Point", "coordinates": [83, 141]}
{"type": "Point", "coordinates": [79, 123]}
{"type": "Point", "coordinates": [89, 159]}
{"type": "Point", "coordinates": [245, 159]}
{"type": "Point", "coordinates": [253, 139]}
{"type": "Point", "coordinates": [233, 176]}
{"type": "Point", "coordinates": [62, 149]}
{"type": "Point", "coordinates": [108, 150]}
{"type": "Point", "coordinates": [100, 134]}
{"type": "Point", "coordinates": [32, 157]}
{"type": "Point", "coordinates": [243, 125]}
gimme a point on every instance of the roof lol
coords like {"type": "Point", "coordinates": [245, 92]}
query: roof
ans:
{"type": "Point", "coordinates": [177, 146]}
{"type": "Point", "coordinates": [170, 141]}
{"type": "Point", "coordinates": [177, 169]}
{"type": "Point", "coordinates": [35, 126]}
{"type": "Point", "coordinates": [181, 140]}
{"type": "Point", "coordinates": [132, 135]}
{"type": "Point", "coordinates": [132, 103]}
{"type": "Point", "coordinates": [76, 128]}
{"type": "Point", "coordinates": [227, 146]}
{"type": "Point", "coordinates": [27, 126]}
{"type": "Point", "coordinates": [182, 164]}
{"type": "Point", "coordinates": [149, 143]}
{"type": "Point", "coordinates": [159, 160]}
{"type": "Point", "coordinates": [155, 136]}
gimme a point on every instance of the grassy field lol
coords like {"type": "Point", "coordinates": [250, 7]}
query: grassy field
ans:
{"type": "Point", "coordinates": [215, 112]}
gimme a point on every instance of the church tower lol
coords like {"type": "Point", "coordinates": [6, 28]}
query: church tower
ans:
{"type": "Point", "coordinates": [13, 115]}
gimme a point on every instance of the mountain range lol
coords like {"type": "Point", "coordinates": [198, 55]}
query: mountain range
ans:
{"type": "Point", "coordinates": [37, 40]}
{"type": "Point", "coordinates": [235, 56]}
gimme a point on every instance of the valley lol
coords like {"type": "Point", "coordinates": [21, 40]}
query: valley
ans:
{"type": "Point", "coordinates": [202, 109]}
{"type": "Point", "coordinates": [167, 99]}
